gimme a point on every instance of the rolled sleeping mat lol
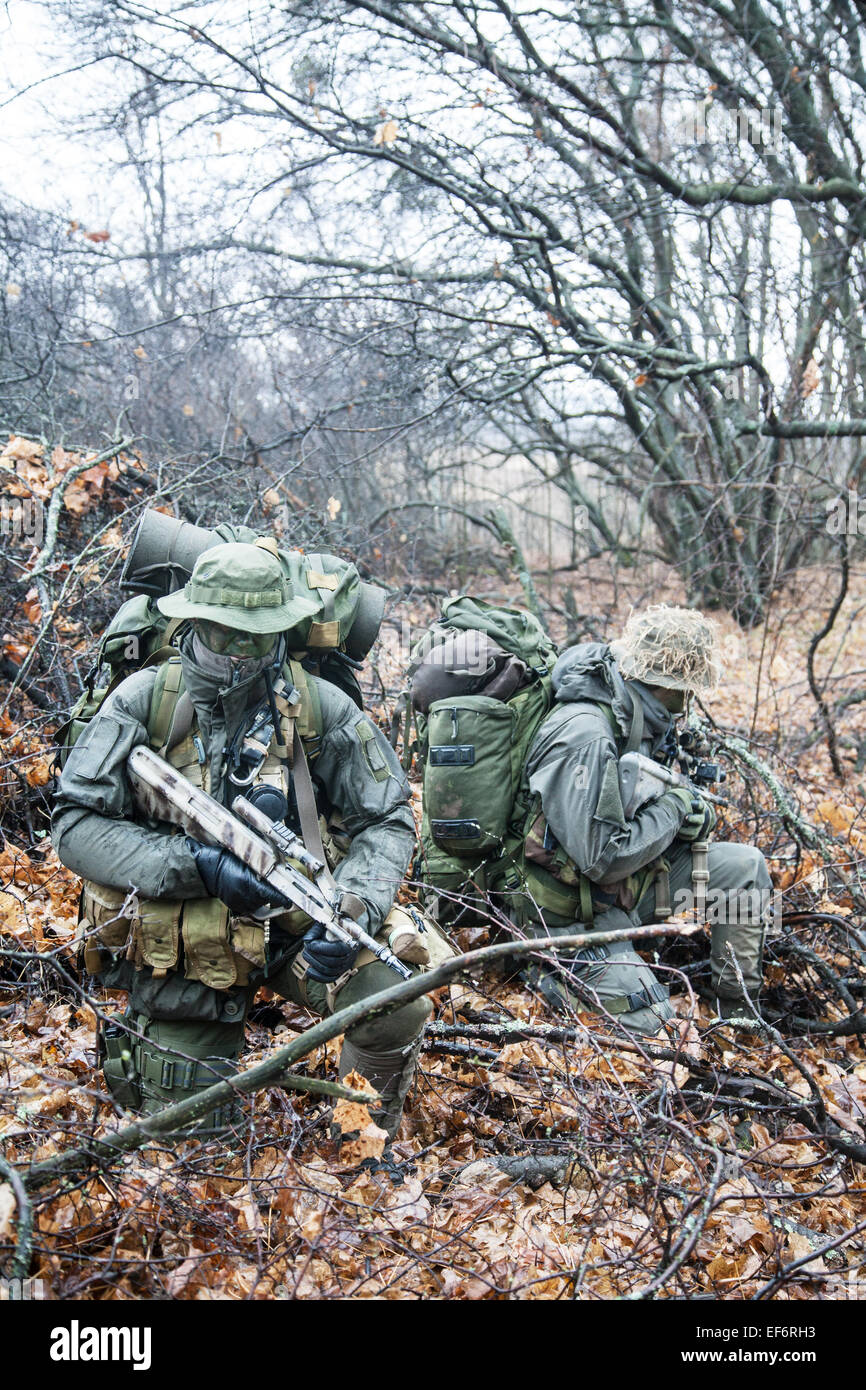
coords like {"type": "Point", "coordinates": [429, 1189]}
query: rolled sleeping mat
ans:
{"type": "Point", "coordinates": [367, 621]}
{"type": "Point", "coordinates": [467, 663]}
{"type": "Point", "coordinates": [164, 551]}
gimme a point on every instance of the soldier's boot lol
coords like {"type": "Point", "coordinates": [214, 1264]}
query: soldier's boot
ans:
{"type": "Point", "coordinates": [743, 912]}
{"type": "Point", "coordinates": [177, 1060]}
{"type": "Point", "coordinates": [610, 977]}
{"type": "Point", "coordinates": [391, 1071]}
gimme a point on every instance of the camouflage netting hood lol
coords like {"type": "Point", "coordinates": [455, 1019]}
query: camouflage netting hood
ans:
{"type": "Point", "coordinates": [590, 672]}
{"type": "Point", "coordinates": [676, 648]}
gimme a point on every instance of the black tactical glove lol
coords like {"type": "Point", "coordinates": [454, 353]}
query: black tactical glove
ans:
{"type": "Point", "coordinates": [226, 878]}
{"type": "Point", "coordinates": [329, 959]}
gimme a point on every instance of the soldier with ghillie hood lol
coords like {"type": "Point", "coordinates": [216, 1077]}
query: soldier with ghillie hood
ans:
{"type": "Point", "coordinates": [234, 712]}
{"type": "Point", "coordinates": [585, 861]}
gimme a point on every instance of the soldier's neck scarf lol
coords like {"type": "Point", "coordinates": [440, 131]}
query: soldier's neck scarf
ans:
{"type": "Point", "coordinates": [225, 669]}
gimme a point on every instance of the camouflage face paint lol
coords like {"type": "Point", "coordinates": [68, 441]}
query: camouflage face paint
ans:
{"type": "Point", "coordinates": [230, 641]}
{"type": "Point", "coordinates": [676, 702]}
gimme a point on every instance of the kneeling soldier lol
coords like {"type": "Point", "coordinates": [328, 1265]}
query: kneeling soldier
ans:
{"type": "Point", "coordinates": [234, 713]}
{"type": "Point", "coordinates": [585, 860]}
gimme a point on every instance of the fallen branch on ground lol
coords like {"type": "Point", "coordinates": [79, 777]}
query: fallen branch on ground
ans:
{"type": "Point", "coordinates": [271, 1071]}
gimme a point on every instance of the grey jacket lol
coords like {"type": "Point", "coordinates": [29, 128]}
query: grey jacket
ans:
{"type": "Point", "coordinates": [573, 767]}
{"type": "Point", "coordinates": [96, 830]}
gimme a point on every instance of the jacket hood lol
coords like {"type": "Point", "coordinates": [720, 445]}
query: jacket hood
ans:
{"type": "Point", "coordinates": [589, 671]}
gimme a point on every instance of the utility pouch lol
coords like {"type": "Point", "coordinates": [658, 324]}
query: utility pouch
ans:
{"type": "Point", "coordinates": [468, 780]}
{"type": "Point", "coordinates": [118, 1064]}
{"type": "Point", "coordinates": [157, 933]}
{"type": "Point", "coordinates": [207, 948]}
{"type": "Point", "coordinates": [248, 947]}
{"type": "Point", "coordinates": [103, 923]}
{"type": "Point", "coordinates": [414, 937]}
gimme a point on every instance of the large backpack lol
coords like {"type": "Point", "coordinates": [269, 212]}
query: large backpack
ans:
{"type": "Point", "coordinates": [139, 635]}
{"type": "Point", "coordinates": [472, 744]}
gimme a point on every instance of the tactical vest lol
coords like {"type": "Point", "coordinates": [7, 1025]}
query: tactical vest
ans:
{"type": "Point", "coordinates": [219, 949]}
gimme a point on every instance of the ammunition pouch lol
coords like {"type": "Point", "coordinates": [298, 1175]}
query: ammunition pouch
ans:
{"type": "Point", "coordinates": [105, 918]}
{"type": "Point", "coordinates": [116, 1055]}
{"type": "Point", "coordinates": [218, 950]}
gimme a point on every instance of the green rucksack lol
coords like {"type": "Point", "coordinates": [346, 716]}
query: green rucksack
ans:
{"type": "Point", "coordinates": [478, 701]}
{"type": "Point", "coordinates": [137, 636]}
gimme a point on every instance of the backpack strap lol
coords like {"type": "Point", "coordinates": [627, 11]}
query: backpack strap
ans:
{"type": "Point", "coordinates": [308, 719]}
{"type": "Point", "coordinates": [636, 731]}
{"type": "Point", "coordinates": [635, 736]}
{"type": "Point", "coordinates": [171, 709]}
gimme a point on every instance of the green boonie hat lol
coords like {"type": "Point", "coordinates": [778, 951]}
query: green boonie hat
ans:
{"type": "Point", "coordinates": [676, 648]}
{"type": "Point", "coordinates": [241, 586]}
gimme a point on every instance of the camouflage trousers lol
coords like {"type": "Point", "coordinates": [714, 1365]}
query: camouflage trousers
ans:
{"type": "Point", "coordinates": [739, 898]}
{"type": "Point", "coordinates": [174, 1056]}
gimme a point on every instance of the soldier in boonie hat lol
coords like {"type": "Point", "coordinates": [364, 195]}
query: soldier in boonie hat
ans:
{"type": "Point", "coordinates": [238, 599]}
{"type": "Point", "coordinates": [234, 711]}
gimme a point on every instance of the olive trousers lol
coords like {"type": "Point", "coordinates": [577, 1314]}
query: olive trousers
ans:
{"type": "Point", "coordinates": [175, 1056]}
{"type": "Point", "coordinates": [739, 901]}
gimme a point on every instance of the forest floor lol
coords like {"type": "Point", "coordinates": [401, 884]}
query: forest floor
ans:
{"type": "Point", "coordinates": [584, 1163]}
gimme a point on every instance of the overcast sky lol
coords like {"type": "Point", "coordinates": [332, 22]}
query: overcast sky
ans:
{"type": "Point", "coordinates": [43, 93]}
{"type": "Point", "coordinates": [39, 162]}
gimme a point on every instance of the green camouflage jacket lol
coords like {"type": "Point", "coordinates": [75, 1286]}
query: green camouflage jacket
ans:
{"type": "Point", "coordinates": [97, 832]}
{"type": "Point", "coordinates": [573, 768]}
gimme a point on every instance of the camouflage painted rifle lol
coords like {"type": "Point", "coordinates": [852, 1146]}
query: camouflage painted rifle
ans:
{"type": "Point", "coordinates": [263, 845]}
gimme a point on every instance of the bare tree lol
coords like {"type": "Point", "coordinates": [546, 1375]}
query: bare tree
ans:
{"type": "Point", "coordinates": [604, 215]}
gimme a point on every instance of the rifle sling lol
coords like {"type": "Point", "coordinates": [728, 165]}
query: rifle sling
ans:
{"type": "Point", "coordinates": [309, 817]}
{"type": "Point", "coordinates": [635, 736]}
